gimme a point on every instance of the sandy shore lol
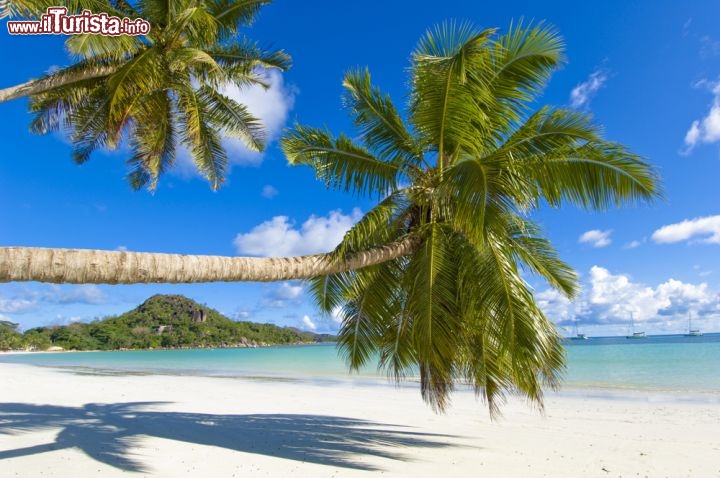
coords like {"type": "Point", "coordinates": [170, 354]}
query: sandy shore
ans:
{"type": "Point", "coordinates": [57, 424]}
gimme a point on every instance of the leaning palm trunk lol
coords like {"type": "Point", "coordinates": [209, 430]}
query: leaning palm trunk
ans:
{"type": "Point", "coordinates": [50, 82]}
{"type": "Point", "coordinates": [80, 266]}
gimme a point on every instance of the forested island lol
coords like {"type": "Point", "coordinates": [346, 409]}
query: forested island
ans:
{"type": "Point", "coordinates": [162, 321]}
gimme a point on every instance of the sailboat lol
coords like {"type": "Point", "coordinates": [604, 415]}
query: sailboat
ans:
{"type": "Point", "coordinates": [635, 335]}
{"type": "Point", "coordinates": [578, 335]}
{"type": "Point", "coordinates": [692, 332]}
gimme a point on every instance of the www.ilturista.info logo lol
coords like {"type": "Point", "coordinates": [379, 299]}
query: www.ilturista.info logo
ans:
{"type": "Point", "coordinates": [56, 21]}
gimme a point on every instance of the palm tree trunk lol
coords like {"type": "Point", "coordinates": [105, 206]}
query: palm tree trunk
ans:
{"type": "Point", "coordinates": [80, 266]}
{"type": "Point", "coordinates": [49, 82]}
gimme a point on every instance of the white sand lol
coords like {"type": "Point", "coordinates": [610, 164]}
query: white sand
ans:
{"type": "Point", "coordinates": [58, 424]}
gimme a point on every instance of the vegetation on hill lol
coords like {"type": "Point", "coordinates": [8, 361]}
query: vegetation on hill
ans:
{"type": "Point", "coordinates": [162, 321]}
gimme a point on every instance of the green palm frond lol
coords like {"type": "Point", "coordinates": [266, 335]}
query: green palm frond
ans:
{"type": "Point", "coordinates": [89, 131]}
{"type": "Point", "coordinates": [114, 48]}
{"type": "Point", "coordinates": [330, 292]}
{"type": "Point", "coordinates": [126, 88]}
{"type": "Point", "coordinates": [523, 60]}
{"type": "Point", "coordinates": [154, 141]}
{"type": "Point", "coordinates": [397, 355]}
{"type": "Point", "coordinates": [243, 57]}
{"type": "Point", "coordinates": [546, 131]}
{"type": "Point", "coordinates": [595, 175]}
{"type": "Point", "coordinates": [21, 8]}
{"type": "Point", "coordinates": [232, 14]}
{"type": "Point", "coordinates": [233, 119]}
{"type": "Point", "coordinates": [186, 61]}
{"type": "Point", "coordinates": [474, 193]}
{"type": "Point", "coordinates": [380, 125]}
{"type": "Point", "coordinates": [339, 162]}
{"type": "Point", "coordinates": [431, 284]}
{"type": "Point", "coordinates": [159, 12]}
{"type": "Point", "coordinates": [368, 305]}
{"type": "Point", "coordinates": [530, 248]}
{"type": "Point", "coordinates": [34, 9]}
{"type": "Point", "coordinates": [53, 108]}
{"type": "Point", "coordinates": [193, 24]}
{"type": "Point", "coordinates": [520, 349]}
{"type": "Point", "coordinates": [200, 138]}
{"type": "Point", "coordinates": [447, 91]}
{"type": "Point", "coordinates": [381, 225]}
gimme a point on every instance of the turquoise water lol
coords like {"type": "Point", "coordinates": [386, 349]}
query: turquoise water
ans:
{"type": "Point", "coordinates": [662, 363]}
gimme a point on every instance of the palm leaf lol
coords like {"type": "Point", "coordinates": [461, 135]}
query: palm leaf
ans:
{"type": "Point", "coordinates": [115, 48]}
{"type": "Point", "coordinates": [380, 124]}
{"type": "Point", "coordinates": [595, 175]}
{"type": "Point", "coordinates": [383, 224]}
{"type": "Point", "coordinates": [445, 103]}
{"type": "Point", "coordinates": [523, 60]}
{"type": "Point", "coordinates": [431, 285]}
{"type": "Point", "coordinates": [231, 14]}
{"type": "Point", "coordinates": [242, 57]}
{"type": "Point", "coordinates": [233, 119]}
{"type": "Point", "coordinates": [154, 142]}
{"type": "Point", "coordinates": [203, 141]}
{"type": "Point", "coordinates": [339, 162]}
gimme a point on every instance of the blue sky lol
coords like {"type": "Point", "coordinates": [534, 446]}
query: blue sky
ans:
{"type": "Point", "coordinates": [649, 72]}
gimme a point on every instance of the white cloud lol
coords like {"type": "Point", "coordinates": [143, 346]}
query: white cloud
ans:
{"type": "Point", "coordinates": [710, 47]}
{"type": "Point", "coordinates": [17, 305]}
{"type": "Point", "coordinates": [611, 299]}
{"type": "Point", "coordinates": [596, 238]}
{"type": "Point", "coordinates": [309, 323]}
{"type": "Point", "coordinates": [279, 237]}
{"type": "Point", "coordinates": [703, 229]}
{"type": "Point", "coordinates": [121, 248]}
{"type": "Point", "coordinates": [31, 299]}
{"type": "Point", "coordinates": [287, 291]}
{"type": "Point", "coordinates": [283, 295]}
{"type": "Point", "coordinates": [555, 305]}
{"type": "Point", "coordinates": [707, 129]}
{"type": "Point", "coordinates": [269, 191]}
{"type": "Point", "coordinates": [243, 314]}
{"type": "Point", "coordinates": [693, 134]}
{"type": "Point", "coordinates": [581, 95]}
{"type": "Point", "coordinates": [632, 244]}
{"type": "Point", "coordinates": [336, 315]}
{"type": "Point", "coordinates": [81, 294]}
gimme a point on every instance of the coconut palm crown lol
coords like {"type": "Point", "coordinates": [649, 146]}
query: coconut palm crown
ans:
{"type": "Point", "coordinates": [460, 178]}
{"type": "Point", "coordinates": [159, 90]}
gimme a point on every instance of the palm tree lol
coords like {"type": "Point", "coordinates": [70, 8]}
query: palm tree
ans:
{"type": "Point", "coordinates": [430, 278]}
{"type": "Point", "coordinates": [159, 90]}
{"type": "Point", "coordinates": [459, 180]}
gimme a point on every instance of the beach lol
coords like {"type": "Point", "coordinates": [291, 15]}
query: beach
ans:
{"type": "Point", "coordinates": [56, 423]}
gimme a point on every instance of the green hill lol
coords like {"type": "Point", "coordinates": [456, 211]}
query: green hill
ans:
{"type": "Point", "coordinates": [166, 321]}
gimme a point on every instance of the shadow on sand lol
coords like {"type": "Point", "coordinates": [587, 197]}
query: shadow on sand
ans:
{"type": "Point", "coordinates": [108, 432]}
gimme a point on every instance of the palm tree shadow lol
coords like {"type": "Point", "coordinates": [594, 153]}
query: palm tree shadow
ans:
{"type": "Point", "coordinates": [108, 432]}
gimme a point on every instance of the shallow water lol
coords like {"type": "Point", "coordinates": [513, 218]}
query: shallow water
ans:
{"type": "Point", "coordinates": [659, 363]}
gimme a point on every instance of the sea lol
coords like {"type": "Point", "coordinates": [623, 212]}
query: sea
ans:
{"type": "Point", "coordinates": [662, 364]}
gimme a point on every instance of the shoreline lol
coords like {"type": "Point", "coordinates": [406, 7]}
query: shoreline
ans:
{"type": "Point", "coordinates": [189, 347]}
{"type": "Point", "coordinates": [61, 424]}
{"type": "Point", "coordinates": [571, 389]}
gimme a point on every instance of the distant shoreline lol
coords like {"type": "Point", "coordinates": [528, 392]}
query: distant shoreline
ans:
{"type": "Point", "coordinates": [294, 344]}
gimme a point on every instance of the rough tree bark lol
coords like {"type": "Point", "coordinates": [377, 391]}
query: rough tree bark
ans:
{"type": "Point", "coordinates": [40, 85]}
{"type": "Point", "coordinates": [81, 266]}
